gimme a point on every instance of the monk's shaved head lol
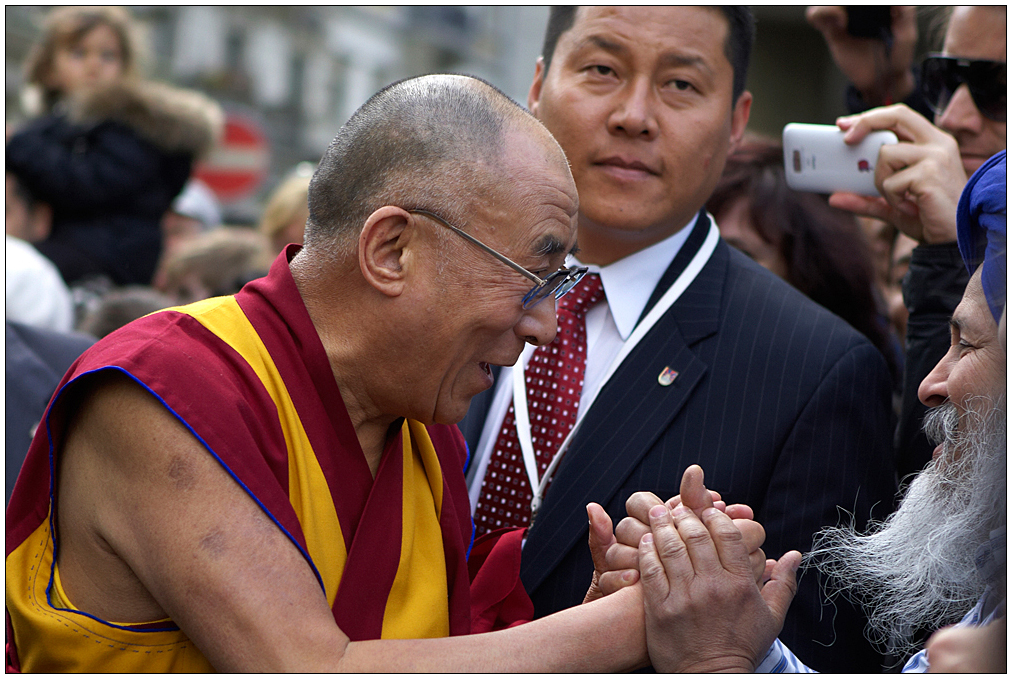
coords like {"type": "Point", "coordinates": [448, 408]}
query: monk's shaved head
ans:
{"type": "Point", "coordinates": [426, 142]}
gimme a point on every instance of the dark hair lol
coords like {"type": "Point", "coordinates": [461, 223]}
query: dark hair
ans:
{"type": "Point", "coordinates": [737, 45]}
{"type": "Point", "coordinates": [824, 249]}
{"type": "Point", "coordinates": [560, 20]}
{"type": "Point", "coordinates": [22, 192]}
{"type": "Point", "coordinates": [418, 143]}
{"type": "Point", "coordinates": [64, 27]}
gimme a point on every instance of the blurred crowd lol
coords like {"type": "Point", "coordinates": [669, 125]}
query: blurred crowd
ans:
{"type": "Point", "coordinates": [105, 222]}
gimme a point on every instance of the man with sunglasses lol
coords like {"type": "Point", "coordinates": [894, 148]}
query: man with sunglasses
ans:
{"type": "Point", "coordinates": [272, 481]}
{"type": "Point", "coordinates": [920, 180]}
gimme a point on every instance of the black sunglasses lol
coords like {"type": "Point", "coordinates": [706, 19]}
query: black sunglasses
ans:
{"type": "Point", "coordinates": [941, 76]}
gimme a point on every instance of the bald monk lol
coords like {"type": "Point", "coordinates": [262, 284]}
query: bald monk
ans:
{"type": "Point", "coordinates": [272, 481]}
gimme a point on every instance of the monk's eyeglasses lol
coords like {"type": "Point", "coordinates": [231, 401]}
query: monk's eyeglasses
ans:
{"type": "Point", "coordinates": [558, 283]}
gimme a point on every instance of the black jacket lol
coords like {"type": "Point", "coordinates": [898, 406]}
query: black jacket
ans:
{"type": "Point", "coordinates": [110, 166]}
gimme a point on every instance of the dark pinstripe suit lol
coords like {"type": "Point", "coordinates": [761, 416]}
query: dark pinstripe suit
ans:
{"type": "Point", "coordinates": [786, 408]}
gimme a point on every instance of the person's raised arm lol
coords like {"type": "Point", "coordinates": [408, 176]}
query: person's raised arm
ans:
{"type": "Point", "coordinates": [880, 75]}
{"type": "Point", "coordinates": [147, 514]}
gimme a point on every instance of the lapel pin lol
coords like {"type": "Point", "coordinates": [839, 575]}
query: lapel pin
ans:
{"type": "Point", "coordinates": [667, 376]}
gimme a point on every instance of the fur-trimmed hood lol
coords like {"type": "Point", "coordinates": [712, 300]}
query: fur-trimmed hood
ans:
{"type": "Point", "coordinates": [173, 119]}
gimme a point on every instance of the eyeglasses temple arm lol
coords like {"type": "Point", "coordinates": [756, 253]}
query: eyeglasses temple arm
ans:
{"type": "Point", "coordinates": [502, 258]}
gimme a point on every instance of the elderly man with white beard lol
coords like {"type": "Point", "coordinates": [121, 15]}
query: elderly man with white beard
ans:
{"type": "Point", "coordinates": [941, 554]}
{"type": "Point", "coordinates": [943, 551]}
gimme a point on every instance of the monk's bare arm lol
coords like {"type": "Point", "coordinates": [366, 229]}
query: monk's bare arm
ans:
{"type": "Point", "coordinates": [146, 511]}
{"type": "Point", "coordinates": [200, 550]}
{"type": "Point", "coordinates": [606, 635]}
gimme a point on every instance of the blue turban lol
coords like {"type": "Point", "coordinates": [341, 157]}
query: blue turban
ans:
{"type": "Point", "coordinates": [980, 229]}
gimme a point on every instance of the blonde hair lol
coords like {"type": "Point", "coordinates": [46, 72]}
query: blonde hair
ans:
{"type": "Point", "coordinates": [223, 260]}
{"type": "Point", "coordinates": [63, 28]}
{"type": "Point", "coordinates": [291, 196]}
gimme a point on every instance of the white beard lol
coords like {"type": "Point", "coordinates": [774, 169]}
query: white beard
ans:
{"type": "Point", "coordinates": [915, 570]}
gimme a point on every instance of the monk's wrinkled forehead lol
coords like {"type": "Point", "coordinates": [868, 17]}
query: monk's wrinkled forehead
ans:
{"type": "Point", "coordinates": [540, 169]}
{"type": "Point", "coordinates": [529, 203]}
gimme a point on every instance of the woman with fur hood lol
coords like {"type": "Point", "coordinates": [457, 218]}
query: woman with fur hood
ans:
{"type": "Point", "coordinates": [111, 152]}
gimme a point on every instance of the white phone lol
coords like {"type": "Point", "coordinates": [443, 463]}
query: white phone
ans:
{"type": "Point", "coordinates": [816, 159]}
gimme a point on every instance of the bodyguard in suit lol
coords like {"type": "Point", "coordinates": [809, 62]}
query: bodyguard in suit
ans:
{"type": "Point", "coordinates": [680, 350]}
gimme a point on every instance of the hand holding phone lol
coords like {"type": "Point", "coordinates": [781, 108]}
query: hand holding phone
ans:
{"type": "Point", "coordinates": [921, 177]}
{"type": "Point", "coordinates": [817, 159]}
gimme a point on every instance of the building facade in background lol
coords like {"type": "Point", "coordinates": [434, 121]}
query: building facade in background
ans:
{"type": "Point", "coordinates": [291, 76]}
{"type": "Point", "coordinates": [297, 73]}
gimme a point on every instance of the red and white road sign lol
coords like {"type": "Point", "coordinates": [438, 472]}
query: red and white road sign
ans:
{"type": "Point", "coordinates": [238, 165]}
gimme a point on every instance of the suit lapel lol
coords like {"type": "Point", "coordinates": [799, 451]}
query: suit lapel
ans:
{"type": "Point", "coordinates": [700, 229]}
{"type": "Point", "coordinates": [628, 416]}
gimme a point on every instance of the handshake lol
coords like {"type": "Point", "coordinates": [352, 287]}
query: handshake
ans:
{"type": "Point", "coordinates": [712, 600]}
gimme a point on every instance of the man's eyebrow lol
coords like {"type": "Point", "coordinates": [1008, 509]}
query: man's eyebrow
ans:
{"type": "Point", "coordinates": [550, 245]}
{"type": "Point", "coordinates": [670, 59]}
{"type": "Point", "coordinates": [602, 43]}
{"type": "Point", "coordinates": [674, 59]}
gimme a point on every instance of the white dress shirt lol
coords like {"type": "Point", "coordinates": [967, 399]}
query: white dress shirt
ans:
{"type": "Point", "coordinates": [628, 284]}
{"type": "Point", "coordinates": [35, 292]}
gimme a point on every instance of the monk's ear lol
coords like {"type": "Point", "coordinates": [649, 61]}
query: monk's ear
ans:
{"type": "Point", "coordinates": [382, 249]}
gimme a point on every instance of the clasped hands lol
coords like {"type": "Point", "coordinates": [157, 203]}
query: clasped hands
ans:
{"type": "Point", "coordinates": [712, 600]}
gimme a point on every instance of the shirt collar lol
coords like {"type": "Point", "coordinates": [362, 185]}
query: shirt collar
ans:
{"type": "Point", "coordinates": [629, 282]}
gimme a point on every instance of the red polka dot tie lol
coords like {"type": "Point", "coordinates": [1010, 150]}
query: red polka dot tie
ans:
{"type": "Point", "coordinates": [554, 379]}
